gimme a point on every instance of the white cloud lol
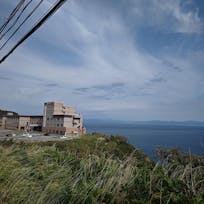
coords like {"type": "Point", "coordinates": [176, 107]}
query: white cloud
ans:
{"type": "Point", "coordinates": [185, 21]}
{"type": "Point", "coordinates": [108, 53]}
{"type": "Point", "coordinates": [171, 16]}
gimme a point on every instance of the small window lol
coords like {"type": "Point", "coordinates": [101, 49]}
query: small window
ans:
{"type": "Point", "coordinates": [47, 118]}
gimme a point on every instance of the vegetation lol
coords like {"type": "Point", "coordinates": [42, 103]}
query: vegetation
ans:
{"type": "Point", "coordinates": [97, 169]}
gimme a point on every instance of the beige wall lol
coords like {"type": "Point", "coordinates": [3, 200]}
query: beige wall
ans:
{"type": "Point", "coordinates": [64, 130]}
{"type": "Point", "coordinates": [58, 118]}
{"type": "Point", "coordinates": [68, 122]}
{"type": "Point", "coordinates": [60, 130]}
{"type": "Point", "coordinates": [2, 121]}
{"type": "Point", "coordinates": [24, 122]}
{"type": "Point", "coordinates": [55, 108]}
{"type": "Point", "coordinates": [20, 122]}
{"type": "Point", "coordinates": [78, 121]}
{"type": "Point", "coordinates": [12, 122]}
{"type": "Point", "coordinates": [55, 121]}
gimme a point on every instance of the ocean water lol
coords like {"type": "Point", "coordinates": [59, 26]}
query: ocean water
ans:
{"type": "Point", "coordinates": [149, 137]}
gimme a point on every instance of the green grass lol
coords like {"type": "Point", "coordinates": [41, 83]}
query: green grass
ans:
{"type": "Point", "coordinates": [97, 169]}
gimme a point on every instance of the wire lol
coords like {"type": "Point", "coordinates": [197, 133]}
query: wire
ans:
{"type": "Point", "coordinates": [13, 13]}
{"type": "Point", "coordinates": [16, 20]}
{"type": "Point", "coordinates": [28, 16]}
{"type": "Point", "coordinates": [36, 27]}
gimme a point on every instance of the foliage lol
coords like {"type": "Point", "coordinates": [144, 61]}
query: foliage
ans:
{"type": "Point", "coordinates": [97, 169]}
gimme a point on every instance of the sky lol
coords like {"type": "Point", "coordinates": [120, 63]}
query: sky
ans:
{"type": "Point", "coordinates": [132, 60]}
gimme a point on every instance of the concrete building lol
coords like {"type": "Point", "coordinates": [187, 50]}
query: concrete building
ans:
{"type": "Point", "coordinates": [61, 119]}
{"type": "Point", "coordinates": [21, 122]}
{"type": "Point", "coordinates": [3, 122]}
{"type": "Point", "coordinates": [57, 119]}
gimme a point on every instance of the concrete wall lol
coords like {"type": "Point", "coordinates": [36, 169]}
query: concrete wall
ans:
{"type": "Point", "coordinates": [36, 120]}
{"type": "Point", "coordinates": [24, 123]}
{"type": "Point", "coordinates": [12, 122]}
{"type": "Point", "coordinates": [57, 118]}
{"type": "Point", "coordinates": [3, 122]}
{"type": "Point", "coordinates": [68, 122]}
{"type": "Point", "coordinates": [56, 108]}
{"type": "Point", "coordinates": [60, 130]}
{"type": "Point", "coordinates": [78, 121]}
{"type": "Point", "coordinates": [21, 122]}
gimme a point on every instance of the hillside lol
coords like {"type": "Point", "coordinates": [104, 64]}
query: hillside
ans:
{"type": "Point", "coordinates": [97, 169]}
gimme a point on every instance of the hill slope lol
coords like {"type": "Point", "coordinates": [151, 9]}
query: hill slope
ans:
{"type": "Point", "coordinates": [97, 169]}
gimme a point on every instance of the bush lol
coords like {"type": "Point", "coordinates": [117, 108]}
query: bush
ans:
{"type": "Point", "coordinates": [97, 169]}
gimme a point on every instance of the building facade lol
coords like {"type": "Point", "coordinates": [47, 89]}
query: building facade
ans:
{"type": "Point", "coordinates": [29, 123]}
{"type": "Point", "coordinates": [60, 119]}
{"type": "Point", "coordinates": [3, 122]}
{"type": "Point", "coordinates": [57, 119]}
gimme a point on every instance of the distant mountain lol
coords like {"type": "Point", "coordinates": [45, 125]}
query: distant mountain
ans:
{"type": "Point", "coordinates": [105, 122]}
{"type": "Point", "coordinates": [172, 123]}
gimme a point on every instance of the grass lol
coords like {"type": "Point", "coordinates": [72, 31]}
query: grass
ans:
{"type": "Point", "coordinates": [97, 169]}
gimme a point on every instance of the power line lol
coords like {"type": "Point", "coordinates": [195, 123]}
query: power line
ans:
{"type": "Point", "coordinates": [36, 27]}
{"type": "Point", "coordinates": [16, 20]}
{"type": "Point", "coordinates": [12, 14]}
{"type": "Point", "coordinates": [28, 16]}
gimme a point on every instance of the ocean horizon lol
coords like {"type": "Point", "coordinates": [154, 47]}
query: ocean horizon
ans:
{"type": "Point", "coordinates": [147, 137]}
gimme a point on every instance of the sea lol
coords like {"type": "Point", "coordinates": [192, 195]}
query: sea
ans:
{"type": "Point", "coordinates": [149, 137]}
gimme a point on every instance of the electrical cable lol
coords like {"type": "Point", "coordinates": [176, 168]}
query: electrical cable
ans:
{"type": "Point", "coordinates": [36, 27]}
{"type": "Point", "coordinates": [12, 14]}
{"type": "Point", "coordinates": [28, 16]}
{"type": "Point", "coordinates": [16, 20]}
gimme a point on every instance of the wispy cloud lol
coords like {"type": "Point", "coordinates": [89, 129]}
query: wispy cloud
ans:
{"type": "Point", "coordinates": [4, 78]}
{"type": "Point", "coordinates": [87, 55]}
{"type": "Point", "coordinates": [170, 16]}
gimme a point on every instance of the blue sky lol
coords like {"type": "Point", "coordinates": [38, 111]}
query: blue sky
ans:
{"type": "Point", "coordinates": [124, 59]}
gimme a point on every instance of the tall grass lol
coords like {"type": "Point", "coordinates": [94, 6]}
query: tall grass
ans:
{"type": "Point", "coordinates": [59, 173]}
